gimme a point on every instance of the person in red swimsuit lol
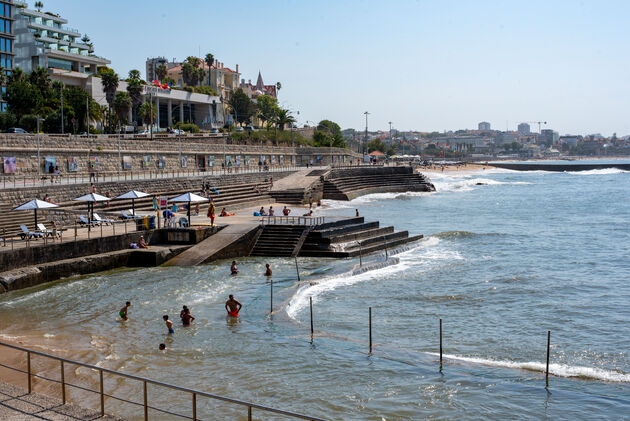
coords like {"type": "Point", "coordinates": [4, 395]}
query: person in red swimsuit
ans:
{"type": "Point", "coordinates": [232, 306]}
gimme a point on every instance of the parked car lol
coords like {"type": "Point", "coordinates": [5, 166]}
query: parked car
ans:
{"type": "Point", "coordinates": [240, 129]}
{"type": "Point", "coordinates": [214, 130]}
{"type": "Point", "coordinates": [144, 132]}
{"type": "Point", "coordinates": [17, 130]}
{"type": "Point", "coordinates": [178, 131]}
{"type": "Point", "coordinates": [250, 128]}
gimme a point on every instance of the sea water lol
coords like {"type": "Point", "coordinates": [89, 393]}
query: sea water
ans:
{"type": "Point", "coordinates": [507, 256]}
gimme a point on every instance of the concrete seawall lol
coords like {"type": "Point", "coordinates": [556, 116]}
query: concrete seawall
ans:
{"type": "Point", "coordinates": [560, 167]}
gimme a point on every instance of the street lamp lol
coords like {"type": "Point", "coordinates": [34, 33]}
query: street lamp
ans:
{"type": "Point", "coordinates": [366, 132]}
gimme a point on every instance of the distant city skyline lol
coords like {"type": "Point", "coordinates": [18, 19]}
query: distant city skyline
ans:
{"type": "Point", "coordinates": [423, 65]}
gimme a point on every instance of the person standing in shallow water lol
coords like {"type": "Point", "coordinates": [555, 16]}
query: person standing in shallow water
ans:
{"type": "Point", "coordinates": [232, 306]}
{"type": "Point", "coordinates": [268, 271]}
{"type": "Point", "coordinates": [187, 318]}
{"type": "Point", "coordinates": [234, 268]}
{"type": "Point", "coordinates": [123, 311]}
{"type": "Point", "coordinates": [169, 324]}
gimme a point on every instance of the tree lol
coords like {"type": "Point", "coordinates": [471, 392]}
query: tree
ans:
{"type": "Point", "coordinates": [109, 80]}
{"type": "Point", "coordinates": [134, 74]}
{"type": "Point", "coordinates": [22, 97]}
{"type": "Point", "coordinates": [85, 39]}
{"type": "Point", "coordinates": [278, 87]}
{"type": "Point", "coordinates": [161, 71]}
{"type": "Point", "coordinates": [192, 72]}
{"type": "Point", "coordinates": [267, 108]}
{"type": "Point", "coordinates": [122, 105]}
{"type": "Point", "coordinates": [135, 89]}
{"type": "Point", "coordinates": [328, 132]}
{"type": "Point", "coordinates": [283, 117]}
{"type": "Point", "coordinates": [242, 105]}
{"type": "Point", "coordinates": [148, 113]}
{"type": "Point", "coordinates": [39, 5]}
{"type": "Point", "coordinates": [209, 59]}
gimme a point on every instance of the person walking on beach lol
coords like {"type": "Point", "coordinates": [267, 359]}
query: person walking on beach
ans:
{"type": "Point", "coordinates": [187, 319]}
{"type": "Point", "coordinates": [232, 306]}
{"type": "Point", "coordinates": [234, 268]}
{"type": "Point", "coordinates": [211, 211]}
{"type": "Point", "coordinates": [169, 324]}
{"type": "Point", "coordinates": [123, 311]}
{"type": "Point", "coordinates": [268, 271]}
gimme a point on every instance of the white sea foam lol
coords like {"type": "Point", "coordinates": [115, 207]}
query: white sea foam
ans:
{"type": "Point", "coordinates": [560, 370]}
{"type": "Point", "coordinates": [603, 171]}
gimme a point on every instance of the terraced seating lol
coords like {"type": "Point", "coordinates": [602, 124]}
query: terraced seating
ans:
{"type": "Point", "coordinates": [346, 188]}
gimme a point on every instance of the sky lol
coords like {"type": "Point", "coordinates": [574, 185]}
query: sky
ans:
{"type": "Point", "coordinates": [423, 65]}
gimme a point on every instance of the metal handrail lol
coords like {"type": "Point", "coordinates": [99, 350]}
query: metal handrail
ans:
{"type": "Point", "coordinates": [310, 221]}
{"type": "Point", "coordinates": [145, 381]}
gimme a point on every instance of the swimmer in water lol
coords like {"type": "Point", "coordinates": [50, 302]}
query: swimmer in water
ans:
{"type": "Point", "coordinates": [181, 313]}
{"type": "Point", "coordinates": [162, 347]}
{"type": "Point", "coordinates": [268, 271]}
{"type": "Point", "coordinates": [187, 319]}
{"type": "Point", "coordinates": [232, 306]}
{"type": "Point", "coordinates": [234, 268]}
{"type": "Point", "coordinates": [169, 324]}
{"type": "Point", "coordinates": [123, 311]}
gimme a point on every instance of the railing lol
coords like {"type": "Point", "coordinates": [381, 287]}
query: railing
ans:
{"type": "Point", "coordinates": [15, 181]}
{"type": "Point", "coordinates": [309, 221]}
{"type": "Point", "coordinates": [145, 382]}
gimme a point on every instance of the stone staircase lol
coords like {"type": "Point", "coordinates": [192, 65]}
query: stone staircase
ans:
{"type": "Point", "coordinates": [352, 237]}
{"type": "Point", "coordinates": [347, 188]}
{"type": "Point", "coordinates": [280, 240]}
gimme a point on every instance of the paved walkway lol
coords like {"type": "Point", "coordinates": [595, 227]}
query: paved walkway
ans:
{"type": "Point", "coordinates": [17, 405]}
{"type": "Point", "coordinates": [297, 180]}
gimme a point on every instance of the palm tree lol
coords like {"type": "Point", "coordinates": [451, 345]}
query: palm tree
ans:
{"type": "Point", "coordinates": [161, 71]}
{"type": "Point", "coordinates": [135, 89]}
{"type": "Point", "coordinates": [283, 117]}
{"type": "Point", "coordinates": [39, 5]}
{"type": "Point", "coordinates": [134, 74]}
{"type": "Point", "coordinates": [109, 80]}
{"type": "Point", "coordinates": [148, 113]}
{"type": "Point", "coordinates": [39, 78]}
{"type": "Point", "coordinates": [122, 105]}
{"type": "Point", "coordinates": [209, 61]}
{"type": "Point", "coordinates": [85, 39]}
{"type": "Point", "coordinates": [192, 72]}
{"type": "Point", "coordinates": [278, 87]}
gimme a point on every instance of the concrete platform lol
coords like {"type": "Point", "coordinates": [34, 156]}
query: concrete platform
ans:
{"type": "Point", "coordinates": [17, 405]}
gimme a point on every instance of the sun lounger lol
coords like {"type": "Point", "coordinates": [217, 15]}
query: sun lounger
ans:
{"type": "Point", "coordinates": [83, 220]}
{"type": "Point", "coordinates": [29, 234]}
{"type": "Point", "coordinates": [42, 228]}
{"type": "Point", "coordinates": [103, 221]}
{"type": "Point", "coordinates": [127, 214]}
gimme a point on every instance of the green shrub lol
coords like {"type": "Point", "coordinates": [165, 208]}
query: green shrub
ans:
{"type": "Point", "coordinates": [7, 120]}
{"type": "Point", "coordinates": [29, 123]}
{"type": "Point", "coordinates": [187, 127]}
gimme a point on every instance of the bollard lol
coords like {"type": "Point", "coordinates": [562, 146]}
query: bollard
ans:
{"type": "Point", "coordinates": [370, 330]}
{"type": "Point", "coordinates": [547, 370]}
{"type": "Point", "coordinates": [271, 296]}
{"type": "Point", "coordinates": [297, 269]}
{"type": "Point", "coordinates": [440, 344]}
{"type": "Point", "coordinates": [310, 301]}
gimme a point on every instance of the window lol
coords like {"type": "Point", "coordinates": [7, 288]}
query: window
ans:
{"type": "Point", "coordinates": [5, 10]}
{"type": "Point", "coordinates": [5, 26]}
{"type": "Point", "coordinates": [6, 61]}
{"type": "Point", "coordinates": [60, 64]}
{"type": "Point", "coordinates": [6, 45]}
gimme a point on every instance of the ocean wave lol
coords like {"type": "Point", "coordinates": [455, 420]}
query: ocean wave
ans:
{"type": "Point", "coordinates": [603, 171]}
{"type": "Point", "coordinates": [461, 234]}
{"type": "Point", "coordinates": [559, 370]}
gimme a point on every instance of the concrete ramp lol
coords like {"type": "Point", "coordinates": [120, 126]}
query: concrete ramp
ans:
{"type": "Point", "coordinates": [234, 240]}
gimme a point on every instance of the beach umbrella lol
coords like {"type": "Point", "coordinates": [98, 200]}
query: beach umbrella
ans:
{"type": "Point", "coordinates": [91, 198]}
{"type": "Point", "coordinates": [34, 205]}
{"type": "Point", "coordinates": [133, 195]}
{"type": "Point", "coordinates": [189, 198]}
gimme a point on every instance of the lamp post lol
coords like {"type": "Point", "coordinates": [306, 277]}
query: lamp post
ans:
{"type": "Point", "coordinates": [39, 162]}
{"type": "Point", "coordinates": [366, 132]}
{"type": "Point", "coordinates": [61, 93]}
{"type": "Point", "coordinates": [119, 157]}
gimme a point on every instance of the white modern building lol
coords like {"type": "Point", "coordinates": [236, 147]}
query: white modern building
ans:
{"type": "Point", "coordinates": [42, 39]}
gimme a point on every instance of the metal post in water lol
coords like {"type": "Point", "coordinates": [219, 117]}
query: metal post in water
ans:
{"type": "Point", "coordinates": [440, 344]}
{"type": "Point", "coordinates": [146, 406]}
{"type": "Point", "coordinates": [271, 296]}
{"type": "Point", "coordinates": [194, 405]}
{"type": "Point", "coordinates": [63, 384]}
{"type": "Point", "coordinates": [102, 393]}
{"type": "Point", "coordinates": [28, 371]}
{"type": "Point", "coordinates": [310, 301]}
{"type": "Point", "coordinates": [547, 370]}
{"type": "Point", "coordinates": [370, 330]}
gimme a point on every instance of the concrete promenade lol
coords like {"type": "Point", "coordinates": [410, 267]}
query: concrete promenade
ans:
{"type": "Point", "coordinates": [17, 405]}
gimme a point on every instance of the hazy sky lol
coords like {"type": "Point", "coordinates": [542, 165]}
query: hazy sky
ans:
{"type": "Point", "coordinates": [426, 65]}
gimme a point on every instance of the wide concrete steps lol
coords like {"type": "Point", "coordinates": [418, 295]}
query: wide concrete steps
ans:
{"type": "Point", "coordinates": [278, 240]}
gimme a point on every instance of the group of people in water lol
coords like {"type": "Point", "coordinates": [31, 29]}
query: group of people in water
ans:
{"type": "Point", "coordinates": [232, 307]}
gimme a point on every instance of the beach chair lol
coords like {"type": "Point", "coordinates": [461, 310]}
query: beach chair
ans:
{"type": "Point", "coordinates": [83, 221]}
{"type": "Point", "coordinates": [183, 222]}
{"type": "Point", "coordinates": [29, 234]}
{"type": "Point", "coordinates": [45, 231]}
{"type": "Point", "coordinates": [101, 220]}
{"type": "Point", "coordinates": [126, 215]}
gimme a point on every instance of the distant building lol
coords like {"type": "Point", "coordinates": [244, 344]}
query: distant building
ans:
{"type": "Point", "coordinates": [569, 140]}
{"type": "Point", "coordinates": [484, 125]}
{"type": "Point", "coordinates": [151, 66]}
{"type": "Point", "coordinates": [523, 128]}
{"type": "Point", "coordinates": [220, 78]}
{"type": "Point", "coordinates": [259, 88]}
{"type": "Point", "coordinates": [549, 137]}
{"type": "Point", "coordinates": [42, 39]}
{"type": "Point", "coordinates": [6, 43]}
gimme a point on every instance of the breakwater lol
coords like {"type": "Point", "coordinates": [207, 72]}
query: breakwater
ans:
{"type": "Point", "coordinates": [559, 167]}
